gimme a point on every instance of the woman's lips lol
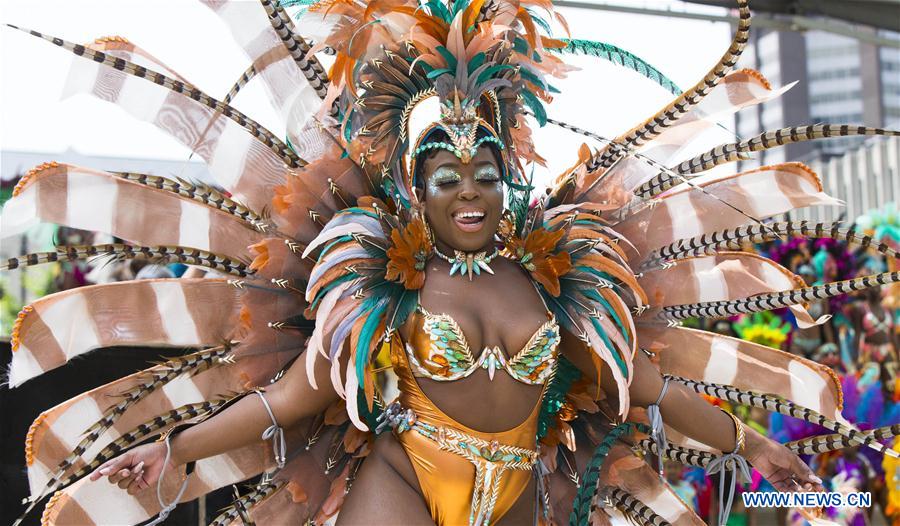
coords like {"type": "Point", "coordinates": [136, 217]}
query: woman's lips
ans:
{"type": "Point", "coordinates": [469, 219]}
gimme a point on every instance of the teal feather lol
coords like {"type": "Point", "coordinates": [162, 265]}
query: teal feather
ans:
{"type": "Point", "coordinates": [458, 5]}
{"type": "Point", "coordinates": [302, 6]}
{"type": "Point", "coordinates": [600, 274]}
{"type": "Point", "coordinates": [440, 10]}
{"type": "Point", "coordinates": [518, 205]}
{"type": "Point", "coordinates": [596, 296]}
{"type": "Point", "coordinates": [365, 338]}
{"type": "Point", "coordinates": [623, 368]}
{"type": "Point", "coordinates": [369, 417]}
{"type": "Point", "coordinates": [375, 290]}
{"type": "Point", "coordinates": [437, 72]}
{"type": "Point", "coordinates": [520, 45]}
{"type": "Point", "coordinates": [531, 77]}
{"type": "Point", "coordinates": [334, 283]}
{"type": "Point", "coordinates": [618, 56]}
{"type": "Point", "coordinates": [332, 244]}
{"type": "Point", "coordinates": [405, 305]}
{"type": "Point", "coordinates": [296, 3]}
{"type": "Point", "coordinates": [533, 103]}
{"type": "Point", "coordinates": [581, 508]}
{"type": "Point", "coordinates": [565, 375]}
{"type": "Point", "coordinates": [358, 210]}
{"type": "Point", "coordinates": [491, 72]}
{"type": "Point", "coordinates": [448, 56]}
{"type": "Point", "coordinates": [539, 21]}
{"type": "Point", "coordinates": [476, 61]}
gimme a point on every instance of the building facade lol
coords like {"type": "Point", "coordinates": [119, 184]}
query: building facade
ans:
{"type": "Point", "coordinates": [840, 81]}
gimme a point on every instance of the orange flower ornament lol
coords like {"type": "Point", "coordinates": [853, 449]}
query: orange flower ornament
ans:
{"type": "Point", "coordinates": [536, 254]}
{"type": "Point", "coordinates": [406, 259]}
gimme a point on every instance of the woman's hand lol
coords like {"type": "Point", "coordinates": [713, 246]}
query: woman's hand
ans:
{"type": "Point", "coordinates": [136, 469]}
{"type": "Point", "coordinates": [782, 468]}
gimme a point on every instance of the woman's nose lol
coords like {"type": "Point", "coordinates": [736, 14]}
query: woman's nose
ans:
{"type": "Point", "coordinates": [469, 189]}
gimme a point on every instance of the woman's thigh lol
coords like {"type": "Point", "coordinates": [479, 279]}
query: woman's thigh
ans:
{"type": "Point", "coordinates": [385, 492]}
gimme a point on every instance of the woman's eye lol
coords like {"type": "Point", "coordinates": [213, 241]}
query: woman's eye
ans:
{"type": "Point", "coordinates": [487, 176]}
{"type": "Point", "coordinates": [488, 179]}
{"type": "Point", "coordinates": [444, 180]}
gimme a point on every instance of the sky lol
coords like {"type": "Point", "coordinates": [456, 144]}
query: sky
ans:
{"type": "Point", "coordinates": [603, 98]}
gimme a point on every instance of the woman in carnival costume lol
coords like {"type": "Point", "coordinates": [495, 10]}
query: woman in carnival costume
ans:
{"type": "Point", "coordinates": [525, 342]}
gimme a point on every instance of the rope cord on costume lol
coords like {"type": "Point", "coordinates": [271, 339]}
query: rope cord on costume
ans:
{"type": "Point", "coordinates": [167, 508]}
{"type": "Point", "coordinates": [657, 429]}
{"type": "Point", "coordinates": [733, 462]}
{"type": "Point", "coordinates": [274, 432]}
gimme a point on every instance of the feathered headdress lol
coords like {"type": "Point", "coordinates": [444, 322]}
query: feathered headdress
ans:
{"type": "Point", "coordinates": [462, 68]}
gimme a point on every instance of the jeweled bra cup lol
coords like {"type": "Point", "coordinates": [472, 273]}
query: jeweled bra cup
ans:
{"type": "Point", "coordinates": [445, 354]}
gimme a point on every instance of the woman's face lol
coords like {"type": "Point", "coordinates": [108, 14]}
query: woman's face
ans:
{"type": "Point", "coordinates": [463, 202]}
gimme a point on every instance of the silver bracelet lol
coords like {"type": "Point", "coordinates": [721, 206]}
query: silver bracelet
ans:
{"type": "Point", "coordinates": [274, 432]}
{"type": "Point", "coordinates": [166, 509]}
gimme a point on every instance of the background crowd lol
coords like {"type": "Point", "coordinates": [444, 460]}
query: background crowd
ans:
{"type": "Point", "coordinates": [860, 344]}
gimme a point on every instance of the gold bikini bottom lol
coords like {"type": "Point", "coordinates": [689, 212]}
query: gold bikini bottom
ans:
{"type": "Point", "coordinates": [466, 476]}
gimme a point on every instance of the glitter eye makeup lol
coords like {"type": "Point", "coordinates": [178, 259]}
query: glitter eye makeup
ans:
{"type": "Point", "coordinates": [487, 174]}
{"type": "Point", "coordinates": [444, 175]}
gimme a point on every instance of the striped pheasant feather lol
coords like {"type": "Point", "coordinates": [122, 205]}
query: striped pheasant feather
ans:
{"type": "Point", "coordinates": [298, 48]}
{"type": "Point", "coordinates": [737, 238]}
{"type": "Point", "coordinates": [180, 414]}
{"type": "Point", "coordinates": [736, 151]}
{"type": "Point", "coordinates": [681, 105]}
{"type": "Point", "coordinates": [683, 455]}
{"type": "Point", "coordinates": [822, 443]}
{"type": "Point", "coordinates": [239, 84]}
{"type": "Point", "coordinates": [777, 300]}
{"type": "Point", "coordinates": [190, 365]}
{"type": "Point", "coordinates": [256, 130]}
{"type": "Point", "coordinates": [634, 509]}
{"type": "Point", "coordinates": [240, 508]}
{"type": "Point", "coordinates": [785, 407]}
{"type": "Point", "coordinates": [201, 193]}
{"type": "Point", "coordinates": [119, 251]}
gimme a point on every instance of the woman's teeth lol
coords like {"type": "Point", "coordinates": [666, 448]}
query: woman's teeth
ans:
{"type": "Point", "coordinates": [469, 221]}
{"type": "Point", "coordinates": [466, 215]}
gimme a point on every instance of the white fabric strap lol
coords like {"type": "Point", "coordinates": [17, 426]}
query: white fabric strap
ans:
{"type": "Point", "coordinates": [274, 432]}
{"type": "Point", "coordinates": [167, 508]}
{"type": "Point", "coordinates": [657, 429]}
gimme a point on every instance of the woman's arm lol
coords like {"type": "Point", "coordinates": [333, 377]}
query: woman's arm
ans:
{"type": "Point", "coordinates": [291, 398]}
{"type": "Point", "coordinates": [688, 413]}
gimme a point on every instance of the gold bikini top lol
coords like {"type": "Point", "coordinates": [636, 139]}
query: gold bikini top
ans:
{"type": "Point", "coordinates": [438, 350]}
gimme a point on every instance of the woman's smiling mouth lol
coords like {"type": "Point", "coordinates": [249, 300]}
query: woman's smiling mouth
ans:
{"type": "Point", "coordinates": [469, 219]}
